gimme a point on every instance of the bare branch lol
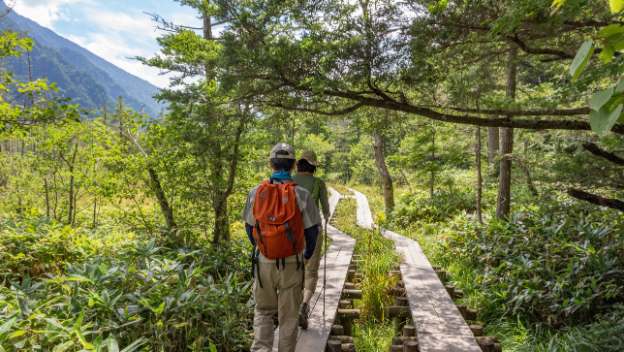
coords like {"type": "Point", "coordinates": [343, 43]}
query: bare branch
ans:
{"type": "Point", "coordinates": [596, 199]}
{"type": "Point", "coordinates": [597, 151]}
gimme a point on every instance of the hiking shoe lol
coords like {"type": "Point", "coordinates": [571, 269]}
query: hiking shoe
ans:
{"type": "Point", "coordinates": [303, 316]}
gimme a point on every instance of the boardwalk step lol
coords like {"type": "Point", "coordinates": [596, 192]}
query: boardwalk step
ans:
{"type": "Point", "coordinates": [352, 294]}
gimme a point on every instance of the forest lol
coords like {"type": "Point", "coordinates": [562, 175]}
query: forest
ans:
{"type": "Point", "coordinates": [490, 131]}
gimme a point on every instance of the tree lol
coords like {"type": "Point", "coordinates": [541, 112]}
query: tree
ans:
{"type": "Point", "coordinates": [209, 113]}
{"type": "Point", "coordinates": [503, 203]}
{"type": "Point", "coordinates": [299, 52]}
{"type": "Point", "coordinates": [24, 104]}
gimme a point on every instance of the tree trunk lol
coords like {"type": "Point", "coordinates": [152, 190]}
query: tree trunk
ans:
{"type": "Point", "coordinates": [384, 173]}
{"type": "Point", "coordinates": [95, 202]}
{"type": "Point", "coordinates": [222, 221]}
{"type": "Point", "coordinates": [479, 175]}
{"type": "Point", "coordinates": [493, 148]}
{"type": "Point", "coordinates": [46, 188]}
{"type": "Point", "coordinates": [433, 163]}
{"type": "Point", "coordinates": [70, 211]}
{"type": "Point", "coordinates": [163, 203]}
{"type": "Point", "coordinates": [503, 204]}
{"type": "Point", "coordinates": [72, 185]}
{"type": "Point", "coordinates": [56, 198]}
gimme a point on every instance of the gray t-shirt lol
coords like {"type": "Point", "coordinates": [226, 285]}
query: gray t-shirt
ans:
{"type": "Point", "coordinates": [306, 203]}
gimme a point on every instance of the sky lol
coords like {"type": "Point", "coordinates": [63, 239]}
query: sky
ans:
{"type": "Point", "coordinates": [115, 30]}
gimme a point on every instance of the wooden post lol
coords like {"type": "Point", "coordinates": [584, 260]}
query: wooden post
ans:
{"type": "Point", "coordinates": [334, 346]}
{"type": "Point", "coordinates": [410, 346]}
{"type": "Point", "coordinates": [402, 301]}
{"type": "Point", "coordinates": [346, 318]}
{"type": "Point", "coordinates": [409, 331]}
{"type": "Point", "coordinates": [477, 330]}
{"type": "Point", "coordinates": [337, 330]}
{"type": "Point", "coordinates": [450, 289]}
{"type": "Point", "coordinates": [352, 294]}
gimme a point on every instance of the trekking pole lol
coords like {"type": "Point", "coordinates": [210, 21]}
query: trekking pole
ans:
{"type": "Point", "coordinates": [324, 267]}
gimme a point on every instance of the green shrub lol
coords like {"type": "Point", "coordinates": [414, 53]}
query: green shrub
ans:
{"type": "Point", "coordinates": [149, 297]}
{"type": "Point", "coordinates": [544, 265]}
{"type": "Point", "coordinates": [419, 207]}
{"type": "Point", "coordinates": [37, 247]}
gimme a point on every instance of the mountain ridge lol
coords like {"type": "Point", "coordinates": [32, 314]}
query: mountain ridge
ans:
{"type": "Point", "coordinates": [81, 75]}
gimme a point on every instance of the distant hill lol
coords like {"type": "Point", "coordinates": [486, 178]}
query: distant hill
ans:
{"type": "Point", "coordinates": [86, 78]}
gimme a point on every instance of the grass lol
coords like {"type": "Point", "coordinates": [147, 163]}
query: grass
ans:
{"type": "Point", "coordinates": [373, 332]}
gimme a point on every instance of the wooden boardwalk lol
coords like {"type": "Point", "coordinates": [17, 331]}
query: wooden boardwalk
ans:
{"type": "Point", "coordinates": [440, 326]}
{"type": "Point", "coordinates": [339, 254]}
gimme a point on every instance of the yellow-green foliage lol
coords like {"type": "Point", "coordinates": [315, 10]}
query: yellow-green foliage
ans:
{"type": "Point", "coordinates": [372, 332]}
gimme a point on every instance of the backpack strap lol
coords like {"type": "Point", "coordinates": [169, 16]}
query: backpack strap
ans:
{"type": "Point", "coordinates": [290, 236]}
{"type": "Point", "coordinates": [260, 235]}
{"type": "Point", "coordinates": [255, 267]}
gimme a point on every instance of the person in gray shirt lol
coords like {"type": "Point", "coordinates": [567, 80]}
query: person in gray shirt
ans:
{"type": "Point", "coordinates": [278, 283]}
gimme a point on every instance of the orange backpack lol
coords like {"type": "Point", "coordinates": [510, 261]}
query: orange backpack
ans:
{"type": "Point", "coordinates": [279, 224]}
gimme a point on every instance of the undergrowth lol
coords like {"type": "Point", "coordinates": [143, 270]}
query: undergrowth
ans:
{"type": "Point", "coordinates": [67, 289]}
{"type": "Point", "coordinates": [372, 331]}
{"type": "Point", "coordinates": [544, 281]}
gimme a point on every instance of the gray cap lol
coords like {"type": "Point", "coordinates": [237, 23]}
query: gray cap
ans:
{"type": "Point", "coordinates": [283, 151]}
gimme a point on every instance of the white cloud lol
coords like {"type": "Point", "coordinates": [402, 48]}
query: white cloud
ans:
{"type": "Point", "coordinates": [116, 36]}
{"type": "Point", "coordinates": [44, 12]}
{"type": "Point", "coordinates": [114, 49]}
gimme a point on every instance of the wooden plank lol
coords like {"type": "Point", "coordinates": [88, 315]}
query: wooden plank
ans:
{"type": "Point", "coordinates": [339, 255]}
{"type": "Point", "coordinates": [338, 258]}
{"type": "Point", "coordinates": [364, 217]}
{"type": "Point", "coordinates": [440, 326]}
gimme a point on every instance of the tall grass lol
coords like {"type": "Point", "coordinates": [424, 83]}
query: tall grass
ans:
{"type": "Point", "coordinates": [372, 331]}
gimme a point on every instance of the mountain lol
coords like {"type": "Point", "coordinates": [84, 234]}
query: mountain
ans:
{"type": "Point", "coordinates": [86, 78]}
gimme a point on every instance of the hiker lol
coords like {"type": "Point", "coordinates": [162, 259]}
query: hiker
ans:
{"type": "Point", "coordinates": [306, 167]}
{"type": "Point", "coordinates": [282, 223]}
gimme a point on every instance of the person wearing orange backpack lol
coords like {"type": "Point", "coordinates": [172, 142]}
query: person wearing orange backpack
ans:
{"type": "Point", "coordinates": [282, 223]}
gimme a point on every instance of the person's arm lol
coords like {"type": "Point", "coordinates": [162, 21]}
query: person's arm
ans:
{"type": "Point", "coordinates": [324, 201]}
{"type": "Point", "coordinates": [249, 230]}
{"type": "Point", "coordinates": [248, 217]}
{"type": "Point", "coordinates": [311, 237]}
{"type": "Point", "coordinates": [311, 221]}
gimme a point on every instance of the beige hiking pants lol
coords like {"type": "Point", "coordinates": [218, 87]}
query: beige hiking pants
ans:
{"type": "Point", "coordinates": [281, 293]}
{"type": "Point", "coordinates": [311, 270]}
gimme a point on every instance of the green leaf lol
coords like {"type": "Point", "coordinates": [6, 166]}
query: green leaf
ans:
{"type": "Point", "coordinates": [63, 347]}
{"type": "Point", "coordinates": [582, 59]}
{"type": "Point", "coordinates": [606, 55]}
{"type": "Point", "coordinates": [619, 88]}
{"type": "Point", "coordinates": [616, 6]}
{"type": "Point", "coordinates": [600, 98]}
{"type": "Point", "coordinates": [112, 345]}
{"type": "Point", "coordinates": [4, 328]}
{"type": "Point", "coordinates": [17, 333]}
{"type": "Point", "coordinates": [611, 30]}
{"type": "Point", "coordinates": [135, 345]}
{"type": "Point", "coordinates": [557, 4]}
{"type": "Point", "coordinates": [602, 121]}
